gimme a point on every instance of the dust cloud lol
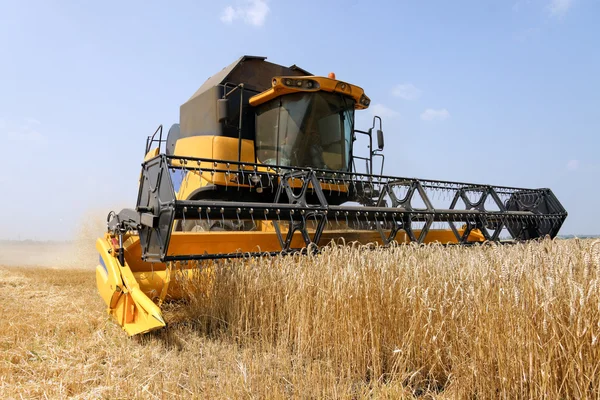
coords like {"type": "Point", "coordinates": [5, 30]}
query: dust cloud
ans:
{"type": "Point", "coordinates": [78, 253]}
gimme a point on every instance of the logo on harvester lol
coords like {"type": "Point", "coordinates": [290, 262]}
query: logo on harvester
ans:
{"type": "Point", "coordinates": [103, 265]}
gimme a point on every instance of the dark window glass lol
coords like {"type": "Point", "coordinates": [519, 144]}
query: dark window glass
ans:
{"type": "Point", "coordinates": [306, 130]}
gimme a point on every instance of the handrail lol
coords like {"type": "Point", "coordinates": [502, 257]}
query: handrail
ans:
{"type": "Point", "coordinates": [150, 139]}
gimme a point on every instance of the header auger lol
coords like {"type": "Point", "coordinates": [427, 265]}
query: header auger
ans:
{"type": "Point", "coordinates": [263, 162]}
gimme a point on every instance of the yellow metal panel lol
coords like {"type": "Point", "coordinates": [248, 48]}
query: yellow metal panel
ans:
{"type": "Point", "coordinates": [226, 148]}
{"type": "Point", "coordinates": [151, 154]}
{"type": "Point", "coordinates": [195, 146]}
{"type": "Point", "coordinates": [279, 88]}
{"type": "Point", "coordinates": [213, 147]}
{"type": "Point", "coordinates": [119, 289]}
{"type": "Point", "coordinates": [266, 241]}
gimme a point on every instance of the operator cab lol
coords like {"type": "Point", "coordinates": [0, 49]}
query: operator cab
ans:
{"type": "Point", "coordinates": [306, 130]}
{"type": "Point", "coordinates": [254, 111]}
{"type": "Point", "coordinates": [307, 122]}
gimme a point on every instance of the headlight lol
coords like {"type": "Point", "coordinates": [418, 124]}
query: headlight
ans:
{"type": "Point", "coordinates": [309, 84]}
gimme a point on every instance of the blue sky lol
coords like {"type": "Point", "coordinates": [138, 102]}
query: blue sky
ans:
{"type": "Point", "coordinates": [499, 92]}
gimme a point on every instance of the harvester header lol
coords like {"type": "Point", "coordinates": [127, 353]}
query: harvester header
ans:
{"type": "Point", "coordinates": [264, 161]}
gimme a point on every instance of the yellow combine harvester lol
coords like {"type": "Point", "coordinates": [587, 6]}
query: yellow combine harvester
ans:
{"type": "Point", "coordinates": [263, 162]}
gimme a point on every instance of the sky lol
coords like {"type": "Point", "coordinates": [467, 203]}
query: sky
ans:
{"type": "Point", "coordinates": [497, 92]}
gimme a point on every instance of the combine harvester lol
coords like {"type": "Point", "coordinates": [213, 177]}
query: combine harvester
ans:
{"type": "Point", "coordinates": [263, 162]}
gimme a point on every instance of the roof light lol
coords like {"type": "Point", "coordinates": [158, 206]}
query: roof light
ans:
{"type": "Point", "coordinates": [365, 101]}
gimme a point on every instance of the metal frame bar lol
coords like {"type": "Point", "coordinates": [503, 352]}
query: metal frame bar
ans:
{"type": "Point", "coordinates": [386, 204]}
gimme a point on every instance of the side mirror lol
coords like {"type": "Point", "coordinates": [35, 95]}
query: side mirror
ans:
{"type": "Point", "coordinates": [222, 106]}
{"type": "Point", "coordinates": [380, 139]}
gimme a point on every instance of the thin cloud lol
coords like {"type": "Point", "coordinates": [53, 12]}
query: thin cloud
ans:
{"type": "Point", "coordinates": [382, 111]}
{"type": "Point", "coordinates": [558, 8]}
{"type": "Point", "coordinates": [252, 12]}
{"type": "Point", "coordinates": [573, 165]}
{"type": "Point", "coordinates": [29, 136]}
{"type": "Point", "coordinates": [432, 115]}
{"type": "Point", "coordinates": [23, 133]}
{"type": "Point", "coordinates": [229, 14]}
{"type": "Point", "coordinates": [406, 91]}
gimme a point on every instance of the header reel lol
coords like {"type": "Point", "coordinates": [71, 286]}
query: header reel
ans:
{"type": "Point", "coordinates": [388, 205]}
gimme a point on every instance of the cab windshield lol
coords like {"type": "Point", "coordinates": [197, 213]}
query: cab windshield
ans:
{"type": "Point", "coordinates": [306, 130]}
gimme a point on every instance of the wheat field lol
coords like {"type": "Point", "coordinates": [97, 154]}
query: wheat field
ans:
{"type": "Point", "coordinates": [433, 322]}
